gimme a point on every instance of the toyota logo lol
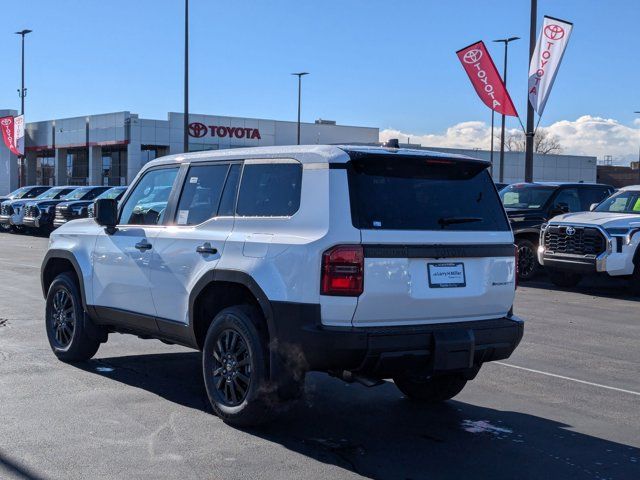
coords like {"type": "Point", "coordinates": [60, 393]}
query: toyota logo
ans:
{"type": "Point", "coordinates": [5, 122]}
{"type": "Point", "coordinates": [472, 56]}
{"type": "Point", "coordinates": [197, 129]}
{"type": "Point", "coordinates": [570, 231]}
{"type": "Point", "coordinates": [553, 32]}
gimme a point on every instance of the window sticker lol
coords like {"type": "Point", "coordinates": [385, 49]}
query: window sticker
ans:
{"type": "Point", "coordinates": [183, 217]}
{"type": "Point", "coordinates": [377, 223]}
{"type": "Point", "coordinates": [193, 180]}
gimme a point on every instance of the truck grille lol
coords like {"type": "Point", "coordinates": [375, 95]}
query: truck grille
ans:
{"type": "Point", "coordinates": [31, 211]}
{"type": "Point", "coordinates": [64, 214]}
{"type": "Point", "coordinates": [583, 240]}
{"type": "Point", "coordinates": [6, 210]}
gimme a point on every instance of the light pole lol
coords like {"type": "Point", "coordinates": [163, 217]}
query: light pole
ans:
{"type": "Point", "coordinates": [299, 75]}
{"type": "Point", "coordinates": [186, 77]}
{"type": "Point", "coordinates": [22, 92]}
{"type": "Point", "coordinates": [637, 112]}
{"type": "Point", "coordinates": [528, 156]}
{"type": "Point", "coordinates": [504, 79]}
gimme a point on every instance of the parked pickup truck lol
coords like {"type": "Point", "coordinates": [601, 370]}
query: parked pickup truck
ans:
{"type": "Point", "coordinates": [603, 240]}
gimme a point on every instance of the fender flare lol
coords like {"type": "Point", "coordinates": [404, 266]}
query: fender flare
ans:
{"type": "Point", "coordinates": [54, 254]}
{"type": "Point", "coordinates": [233, 276]}
{"type": "Point", "coordinates": [525, 231]}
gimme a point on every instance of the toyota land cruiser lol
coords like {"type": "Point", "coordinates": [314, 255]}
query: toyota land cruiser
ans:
{"type": "Point", "coordinates": [366, 263]}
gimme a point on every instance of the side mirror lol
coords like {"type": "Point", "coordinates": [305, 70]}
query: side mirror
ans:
{"type": "Point", "coordinates": [593, 206]}
{"type": "Point", "coordinates": [106, 214]}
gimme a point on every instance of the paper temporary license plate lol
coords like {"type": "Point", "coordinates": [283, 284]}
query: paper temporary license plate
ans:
{"type": "Point", "coordinates": [446, 275]}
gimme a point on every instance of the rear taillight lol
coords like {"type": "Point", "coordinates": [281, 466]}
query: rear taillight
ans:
{"type": "Point", "coordinates": [342, 271]}
{"type": "Point", "coordinates": [516, 266]}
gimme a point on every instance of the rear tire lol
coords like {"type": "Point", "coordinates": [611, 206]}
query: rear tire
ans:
{"type": "Point", "coordinates": [528, 266]}
{"type": "Point", "coordinates": [564, 279]}
{"type": "Point", "coordinates": [634, 282]}
{"type": "Point", "coordinates": [430, 389]}
{"type": "Point", "coordinates": [234, 364]}
{"type": "Point", "coordinates": [65, 321]}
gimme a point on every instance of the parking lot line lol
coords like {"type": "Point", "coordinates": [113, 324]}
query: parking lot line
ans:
{"type": "Point", "coordinates": [549, 374]}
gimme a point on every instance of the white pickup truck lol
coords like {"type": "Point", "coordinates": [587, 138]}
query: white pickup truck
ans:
{"type": "Point", "coordinates": [603, 240]}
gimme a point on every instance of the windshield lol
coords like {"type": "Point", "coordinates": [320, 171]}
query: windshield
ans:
{"type": "Point", "coordinates": [112, 193]}
{"type": "Point", "coordinates": [52, 193]}
{"type": "Point", "coordinates": [622, 202]}
{"type": "Point", "coordinates": [529, 197]}
{"type": "Point", "coordinates": [76, 194]}
{"type": "Point", "coordinates": [18, 193]}
{"type": "Point", "coordinates": [414, 194]}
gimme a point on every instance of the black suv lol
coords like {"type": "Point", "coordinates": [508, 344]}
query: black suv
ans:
{"type": "Point", "coordinates": [529, 205]}
{"type": "Point", "coordinates": [7, 209]}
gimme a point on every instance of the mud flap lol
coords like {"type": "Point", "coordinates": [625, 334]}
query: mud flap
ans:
{"type": "Point", "coordinates": [453, 350]}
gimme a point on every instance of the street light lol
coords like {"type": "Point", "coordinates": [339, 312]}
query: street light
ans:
{"type": "Point", "coordinates": [504, 78]}
{"type": "Point", "coordinates": [186, 78]}
{"type": "Point", "coordinates": [299, 75]}
{"type": "Point", "coordinates": [638, 112]}
{"type": "Point", "coordinates": [530, 132]}
{"type": "Point", "coordinates": [22, 92]}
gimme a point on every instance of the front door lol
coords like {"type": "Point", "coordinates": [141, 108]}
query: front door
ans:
{"type": "Point", "coordinates": [121, 286]}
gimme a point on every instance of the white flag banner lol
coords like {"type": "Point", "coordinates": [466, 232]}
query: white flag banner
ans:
{"type": "Point", "coordinates": [18, 133]}
{"type": "Point", "coordinates": [546, 59]}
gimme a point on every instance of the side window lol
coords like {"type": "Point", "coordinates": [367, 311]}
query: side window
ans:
{"type": "Point", "coordinates": [569, 197]}
{"type": "Point", "coordinates": [589, 196]}
{"type": "Point", "coordinates": [228, 201]}
{"type": "Point", "coordinates": [201, 194]}
{"type": "Point", "coordinates": [147, 203]}
{"type": "Point", "coordinates": [93, 193]}
{"type": "Point", "coordinates": [270, 190]}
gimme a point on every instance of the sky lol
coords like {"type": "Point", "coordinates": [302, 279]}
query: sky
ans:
{"type": "Point", "coordinates": [375, 63]}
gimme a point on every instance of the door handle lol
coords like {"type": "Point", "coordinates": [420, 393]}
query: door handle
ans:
{"type": "Point", "coordinates": [206, 248]}
{"type": "Point", "coordinates": [143, 245]}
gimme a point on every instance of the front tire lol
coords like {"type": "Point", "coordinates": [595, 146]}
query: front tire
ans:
{"type": "Point", "coordinates": [564, 279]}
{"type": "Point", "coordinates": [528, 266]}
{"type": "Point", "coordinates": [65, 321]}
{"type": "Point", "coordinates": [430, 389]}
{"type": "Point", "coordinates": [234, 364]}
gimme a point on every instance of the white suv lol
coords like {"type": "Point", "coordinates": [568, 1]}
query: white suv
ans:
{"type": "Point", "coordinates": [604, 240]}
{"type": "Point", "coordinates": [366, 263]}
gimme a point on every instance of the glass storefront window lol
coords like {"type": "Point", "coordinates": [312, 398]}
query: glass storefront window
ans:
{"type": "Point", "coordinates": [77, 166]}
{"type": "Point", "coordinates": [46, 168]}
{"type": "Point", "coordinates": [114, 166]}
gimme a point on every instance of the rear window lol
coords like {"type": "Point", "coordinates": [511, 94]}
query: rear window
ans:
{"type": "Point", "coordinates": [391, 193]}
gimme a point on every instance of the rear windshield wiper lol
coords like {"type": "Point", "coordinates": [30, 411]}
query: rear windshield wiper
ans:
{"type": "Point", "coordinates": [444, 221]}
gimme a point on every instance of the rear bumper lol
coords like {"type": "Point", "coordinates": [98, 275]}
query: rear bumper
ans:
{"type": "Point", "coordinates": [387, 351]}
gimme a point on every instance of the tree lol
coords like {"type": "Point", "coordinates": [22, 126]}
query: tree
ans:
{"type": "Point", "coordinates": [543, 143]}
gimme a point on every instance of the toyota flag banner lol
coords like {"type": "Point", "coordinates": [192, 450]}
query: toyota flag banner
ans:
{"type": "Point", "coordinates": [8, 133]}
{"type": "Point", "coordinates": [485, 78]}
{"type": "Point", "coordinates": [546, 59]}
{"type": "Point", "coordinates": [18, 133]}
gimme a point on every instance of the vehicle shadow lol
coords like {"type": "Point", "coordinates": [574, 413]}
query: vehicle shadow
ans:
{"type": "Point", "coordinates": [378, 433]}
{"type": "Point", "coordinates": [594, 285]}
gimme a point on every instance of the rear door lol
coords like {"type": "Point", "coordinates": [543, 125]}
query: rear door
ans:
{"type": "Point", "coordinates": [194, 242]}
{"type": "Point", "coordinates": [437, 243]}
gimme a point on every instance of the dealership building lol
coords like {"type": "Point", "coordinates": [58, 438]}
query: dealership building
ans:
{"type": "Point", "coordinates": [110, 149]}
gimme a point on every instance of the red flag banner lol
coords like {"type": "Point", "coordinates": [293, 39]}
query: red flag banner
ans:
{"type": "Point", "coordinates": [8, 134]}
{"type": "Point", "coordinates": [485, 78]}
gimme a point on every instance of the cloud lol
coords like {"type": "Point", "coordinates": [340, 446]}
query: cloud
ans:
{"type": "Point", "coordinates": [588, 135]}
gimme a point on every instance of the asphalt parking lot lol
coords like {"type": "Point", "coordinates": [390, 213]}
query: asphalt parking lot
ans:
{"type": "Point", "coordinates": [566, 405]}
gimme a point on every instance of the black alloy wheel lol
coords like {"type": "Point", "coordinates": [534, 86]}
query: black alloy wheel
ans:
{"type": "Point", "coordinates": [527, 259]}
{"type": "Point", "coordinates": [63, 321]}
{"type": "Point", "coordinates": [231, 368]}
